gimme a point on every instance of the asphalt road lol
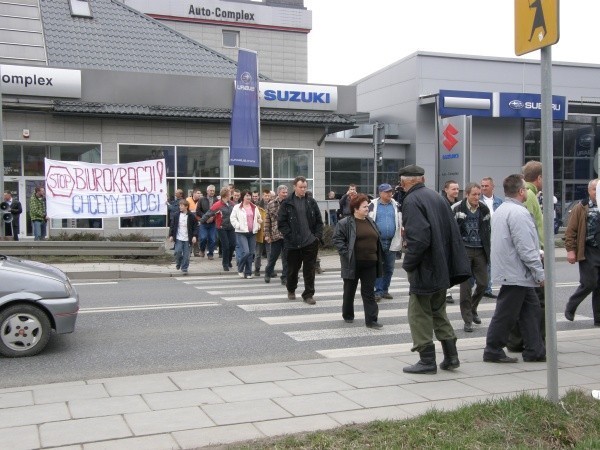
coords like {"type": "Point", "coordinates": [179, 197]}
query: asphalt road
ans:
{"type": "Point", "coordinates": [131, 327]}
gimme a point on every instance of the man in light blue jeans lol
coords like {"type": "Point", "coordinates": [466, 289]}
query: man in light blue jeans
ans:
{"type": "Point", "coordinates": [384, 211]}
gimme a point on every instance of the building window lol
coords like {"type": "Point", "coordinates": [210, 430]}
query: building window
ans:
{"type": "Point", "coordinates": [341, 172]}
{"type": "Point", "coordinates": [231, 39]}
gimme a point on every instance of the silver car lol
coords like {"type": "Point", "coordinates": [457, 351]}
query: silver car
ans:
{"type": "Point", "coordinates": [35, 299]}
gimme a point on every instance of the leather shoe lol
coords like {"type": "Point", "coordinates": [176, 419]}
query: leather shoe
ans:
{"type": "Point", "coordinates": [291, 295]}
{"type": "Point", "coordinates": [449, 299]}
{"type": "Point", "coordinates": [349, 320]}
{"type": "Point", "coordinates": [468, 328]}
{"type": "Point", "coordinates": [490, 295]}
{"type": "Point", "coordinates": [309, 301]}
{"type": "Point", "coordinates": [504, 359]}
{"type": "Point", "coordinates": [375, 326]}
{"type": "Point", "coordinates": [538, 359]}
{"type": "Point", "coordinates": [476, 318]}
{"type": "Point", "coordinates": [283, 281]}
{"type": "Point", "coordinates": [569, 315]}
{"type": "Point", "coordinates": [267, 278]}
{"type": "Point", "coordinates": [387, 296]}
{"type": "Point", "coordinates": [377, 298]}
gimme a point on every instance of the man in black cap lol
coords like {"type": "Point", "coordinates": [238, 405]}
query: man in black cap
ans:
{"type": "Point", "coordinates": [435, 259]}
{"type": "Point", "coordinates": [385, 213]}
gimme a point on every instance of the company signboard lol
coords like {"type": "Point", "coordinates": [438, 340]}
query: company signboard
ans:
{"type": "Point", "coordinates": [465, 103]}
{"type": "Point", "coordinates": [454, 150]}
{"type": "Point", "coordinates": [40, 81]}
{"type": "Point", "coordinates": [528, 106]}
{"type": "Point", "coordinates": [297, 96]}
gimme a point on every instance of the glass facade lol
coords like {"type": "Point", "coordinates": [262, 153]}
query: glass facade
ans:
{"type": "Point", "coordinates": [575, 147]}
{"type": "Point", "coordinates": [341, 172]}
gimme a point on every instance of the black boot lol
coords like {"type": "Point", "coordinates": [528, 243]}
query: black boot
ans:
{"type": "Point", "coordinates": [426, 364]}
{"type": "Point", "coordinates": [450, 355]}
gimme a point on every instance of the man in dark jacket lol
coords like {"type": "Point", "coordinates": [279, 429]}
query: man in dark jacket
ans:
{"type": "Point", "coordinates": [14, 207]}
{"type": "Point", "coordinates": [183, 231]}
{"type": "Point", "coordinates": [434, 260]}
{"type": "Point", "coordinates": [473, 218]}
{"type": "Point", "coordinates": [299, 220]}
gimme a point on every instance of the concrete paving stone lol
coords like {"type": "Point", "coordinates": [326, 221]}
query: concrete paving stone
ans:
{"type": "Point", "coordinates": [564, 378]}
{"type": "Point", "coordinates": [83, 430]}
{"type": "Point", "coordinates": [441, 375]}
{"type": "Point", "coordinates": [143, 385]}
{"type": "Point", "coordinates": [41, 386]}
{"type": "Point", "coordinates": [418, 409]}
{"type": "Point", "coordinates": [226, 434]}
{"type": "Point", "coordinates": [254, 391]}
{"type": "Point", "coordinates": [576, 359]}
{"type": "Point", "coordinates": [167, 420]}
{"type": "Point", "coordinates": [83, 408]}
{"type": "Point", "coordinates": [196, 379]}
{"type": "Point", "coordinates": [315, 386]}
{"type": "Point", "coordinates": [323, 369]}
{"type": "Point", "coordinates": [382, 396]}
{"type": "Point", "coordinates": [296, 425]}
{"type": "Point", "coordinates": [304, 405]}
{"type": "Point", "coordinates": [258, 374]}
{"type": "Point", "coordinates": [373, 379]}
{"type": "Point", "coordinates": [181, 399]}
{"type": "Point", "coordinates": [66, 393]}
{"type": "Point", "coordinates": [441, 390]}
{"type": "Point", "coordinates": [592, 372]}
{"type": "Point", "coordinates": [241, 412]}
{"type": "Point", "coordinates": [502, 383]}
{"type": "Point", "coordinates": [482, 369]}
{"type": "Point", "coordinates": [570, 347]}
{"type": "Point", "coordinates": [376, 364]}
{"type": "Point", "coordinates": [20, 438]}
{"type": "Point", "coordinates": [33, 415]}
{"type": "Point", "coordinates": [12, 399]}
{"type": "Point", "coordinates": [369, 415]}
{"type": "Point", "coordinates": [156, 442]}
{"type": "Point", "coordinates": [470, 355]}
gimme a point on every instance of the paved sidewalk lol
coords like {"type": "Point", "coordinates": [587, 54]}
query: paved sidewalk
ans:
{"type": "Point", "coordinates": [218, 406]}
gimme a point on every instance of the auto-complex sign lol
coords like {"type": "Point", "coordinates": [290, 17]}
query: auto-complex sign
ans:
{"type": "Point", "coordinates": [297, 96]}
{"type": "Point", "coordinates": [498, 104]}
{"type": "Point", "coordinates": [228, 12]}
{"type": "Point", "coordinates": [40, 81]}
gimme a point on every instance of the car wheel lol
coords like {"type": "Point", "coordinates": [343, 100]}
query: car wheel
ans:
{"type": "Point", "coordinates": [24, 331]}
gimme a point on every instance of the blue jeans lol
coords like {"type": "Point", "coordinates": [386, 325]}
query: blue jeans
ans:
{"type": "Point", "coordinates": [246, 244]}
{"type": "Point", "coordinates": [182, 254]}
{"type": "Point", "coordinates": [208, 237]}
{"type": "Point", "coordinates": [332, 217]}
{"type": "Point", "coordinates": [382, 284]}
{"type": "Point", "coordinates": [39, 229]}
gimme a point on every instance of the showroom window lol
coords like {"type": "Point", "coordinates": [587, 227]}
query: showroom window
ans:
{"type": "Point", "coordinates": [341, 172]}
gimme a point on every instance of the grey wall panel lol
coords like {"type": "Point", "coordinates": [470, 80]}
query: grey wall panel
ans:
{"type": "Point", "coordinates": [21, 37]}
{"type": "Point", "coordinates": [15, 10]}
{"type": "Point", "coordinates": [22, 52]}
{"type": "Point", "coordinates": [18, 23]}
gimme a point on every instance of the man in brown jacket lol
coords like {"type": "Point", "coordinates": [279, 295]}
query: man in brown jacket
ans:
{"type": "Point", "coordinates": [582, 241]}
{"type": "Point", "coordinates": [274, 237]}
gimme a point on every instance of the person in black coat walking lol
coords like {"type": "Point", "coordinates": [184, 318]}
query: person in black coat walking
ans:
{"type": "Point", "coordinates": [183, 231]}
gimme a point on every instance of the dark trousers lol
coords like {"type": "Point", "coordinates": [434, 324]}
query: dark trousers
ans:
{"type": "Point", "coordinates": [515, 303]}
{"type": "Point", "coordinates": [227, 238]}
{"type": "Point", "coordinates": [589, 277]}
{"type": "Point", "coordinates": [469, 300]}
{"type": "Point", "coordinates": [366, 272]}
{"type": "Point", "coordinates": [277, 248]}
{"type": "Point", "coordinates": [12, 229]}
{"type": "Point", "coordinates": [305, 257]}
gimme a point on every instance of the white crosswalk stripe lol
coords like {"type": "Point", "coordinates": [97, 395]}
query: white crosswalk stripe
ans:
{"type": "Point", "coordinates": [322, 323]}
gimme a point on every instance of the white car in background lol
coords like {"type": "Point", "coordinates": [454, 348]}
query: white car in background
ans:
{"type": "Point", "coordinates": [35, 298]}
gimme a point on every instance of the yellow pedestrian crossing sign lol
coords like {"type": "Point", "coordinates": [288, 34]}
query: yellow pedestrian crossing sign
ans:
{"type": "Point", "coordinates": [536, 25]}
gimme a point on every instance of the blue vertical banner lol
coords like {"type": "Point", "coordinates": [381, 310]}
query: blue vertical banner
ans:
{"type": "Point", "coordinates": [245, 115]}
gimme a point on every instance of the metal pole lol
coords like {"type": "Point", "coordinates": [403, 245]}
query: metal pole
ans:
{"type": "Point", "coordinates": [1, 159]}
{"type": "Point", "coordinates": [548, 206]}
{"type": "Point", "coordinates": [375, 140]}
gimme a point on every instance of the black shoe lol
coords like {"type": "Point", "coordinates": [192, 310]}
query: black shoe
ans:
{"type": "Point", "coordinates": [377, 298]}
{"type": "Point", "coordinates": [569, 315]}
{"type": "Point", "coordinates": [426, 364]}
{"type": "Point", "coordinates": [257, 273]}
{"type": "Point", "coordinates": [309, 301]}
{"type": "Point", "coordinates": [283, 281]}
{"type": "Point", "coordinates": [504, 359]}
{"type": "Point", "coordinates": [178, 267]}
{"type": "Point", "coordinates": [489, 295]}
{"type": "Point", "coordinates": [450, 361]}
{"type": "Point", "coordinates": [538, 359]}
{"type": "Point", "coordinates": [510, 348]}
{"type": "Point", "coordinates": [291, 295]}
{"type": "Point", "coordinates": [267, 278]}
{"type": "Point", "coordinates": [375, 326]}
{"type": "Point", "coordinates": [449, 299]}
{"type": "Point", "coordinates": [387, 296]}
{"type": "Point", "coordinates": [468, 327]}
{"type": "Point", "coordinates": [349, 320]}
{"type": "Point", "coordinates": [476, 319]}
{"type": "Point", "coordinates": [226, 269]}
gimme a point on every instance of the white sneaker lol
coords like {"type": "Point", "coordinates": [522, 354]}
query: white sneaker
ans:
{"type": "Point", "coordinates": [241, 274]}
{"type": "Point", "coordinates": [596, 394]}
{"type": "Point", "coordinates": [250, 276]}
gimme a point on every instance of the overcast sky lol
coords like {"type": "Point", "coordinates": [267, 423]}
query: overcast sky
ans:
{"type": "Point", "coordinates": [351, 39]}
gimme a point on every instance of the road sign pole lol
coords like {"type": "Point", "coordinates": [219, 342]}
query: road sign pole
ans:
{"type": "Point", "coordinates": [1, 160]}
{"type": "Point", "coordinates": [548, 207]}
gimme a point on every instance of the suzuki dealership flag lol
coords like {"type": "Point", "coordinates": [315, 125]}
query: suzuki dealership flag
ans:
{"type": "Point", "coordinates": [77, 190]}
{"type": "Point", "coordinates": [245, 119]}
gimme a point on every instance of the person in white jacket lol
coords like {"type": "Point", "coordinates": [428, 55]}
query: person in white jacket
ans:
{"type": "Point", "coordinates": [246, 221]}
{"type": "Point", "coordinates": [517, 267]}
{"type": "Point", "coordinates": [385, 213]}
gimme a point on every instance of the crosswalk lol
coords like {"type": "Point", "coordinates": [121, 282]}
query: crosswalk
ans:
{"type": "Point", "coordinates": [321, 326]}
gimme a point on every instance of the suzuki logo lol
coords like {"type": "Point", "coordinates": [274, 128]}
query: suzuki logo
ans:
{"type": "Point", "coordinates": [449, 133]}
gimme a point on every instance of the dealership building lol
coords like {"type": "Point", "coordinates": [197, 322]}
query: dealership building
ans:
{"type": "Point", "coordinates": [135, 80]}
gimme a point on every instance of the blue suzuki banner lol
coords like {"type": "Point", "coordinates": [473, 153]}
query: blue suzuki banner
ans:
{"type": "Point", "coordinates": [529, 106]}
{"type": "Point", "coordinates": [245, 115]}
